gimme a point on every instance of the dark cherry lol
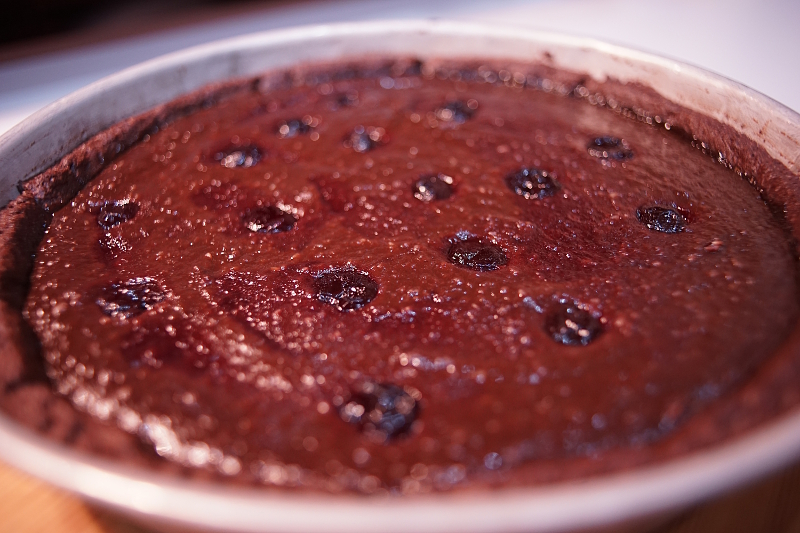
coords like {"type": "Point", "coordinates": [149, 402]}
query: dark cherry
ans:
{"type": "Point", "coordinates": [383, 408]}
{"type": "Point", "coordinates": [571, 324]}
{"type": "Point", "coordinates": [530, 182]}
{"type": "Point", "coordinates": [244, 156]}
{"type": "Point", "coordinates": [345, 289]}
{"type": "Point", "coordinates": [663, 219]}
{"type": "Point", "coordinates": [476, 254]}
{"type": "Point", "coordinates": [348, 99]}
{"type": "Point", "coordinates": [457, 112]}
{"type": "Point", "coordinates": [130, 298]}
{"type": "Point", "coordinates": [433, 187]}
{"type": "Point", "coordinates": [293, 127]}
{"type": "Point", "coordinates": [268, 219]}
{"type": "Point", "coordinates": [363, 139]}
{"type": "Point", "coordinates": [116, 212]}
{"type": "Point", "coordinates": [610, 148]}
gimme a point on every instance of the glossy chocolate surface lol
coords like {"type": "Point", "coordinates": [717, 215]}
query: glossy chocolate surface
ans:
{"type": "Point", "coordinates": [409, 281]}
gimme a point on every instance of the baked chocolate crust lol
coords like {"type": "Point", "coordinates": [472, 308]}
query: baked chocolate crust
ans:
{"type": "Point", "coordinates": [26, 394]}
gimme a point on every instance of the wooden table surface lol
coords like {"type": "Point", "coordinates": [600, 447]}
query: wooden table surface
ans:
{"type": "Point", "coordinates": [769, 506]}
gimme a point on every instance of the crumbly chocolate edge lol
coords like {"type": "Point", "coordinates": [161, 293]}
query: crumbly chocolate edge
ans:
{"type": "Point", "coordinates": [26, 394]}
{"type": "Point", "coordinates": [27, 397]}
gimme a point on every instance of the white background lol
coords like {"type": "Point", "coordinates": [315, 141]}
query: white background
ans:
{"type": "Point", "coordinates": [754, 42]}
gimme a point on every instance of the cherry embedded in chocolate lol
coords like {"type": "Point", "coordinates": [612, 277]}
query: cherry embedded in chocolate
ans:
{"type": "Point", "coordinates": [457, 111]}
{"type": "Point", "coordinates": [383, 408]}
{"type": "Point", "coordinates": [363, 139]}
{"type": "Point", "coordinates": [116, 212]}
{"type": "Point", "coordinates": [244, 156]}
{"type": "Point", "coordinates": [268, 219]}
{"type": "Point", "coordinates": [348, 99]}
{"type": "Point", "coordinates": [294, 127]}
{"type": "Point", "coordinates": [570, 324]}
{"type": "Point", "coordinates": [345, 289]}
{"type": "Point", "coordinates": [663, 219]}
{"type": "Point", "coordinates": [607, 147]}
{"type": "Point", "coordinates": [249, 366]}
{"type": "Point", "coordinates": [476, 254]}
{"type": "Point", "coordinates": [433, 187]}
{"type": "Point", "coordinates": [130, 298]}
{"type": "Point", "coordinates": [530, 182]}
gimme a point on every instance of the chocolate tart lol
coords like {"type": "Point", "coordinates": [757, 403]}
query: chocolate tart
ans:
{"type": "Point", "coordinates": [403, 276]}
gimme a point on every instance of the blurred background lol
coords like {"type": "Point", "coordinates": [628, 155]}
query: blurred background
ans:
{"type": "Point", "coordinates": [49, 48]}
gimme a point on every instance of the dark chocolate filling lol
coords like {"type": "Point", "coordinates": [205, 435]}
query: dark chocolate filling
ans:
{"type": "Point", "coordinates": [512, 333]}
